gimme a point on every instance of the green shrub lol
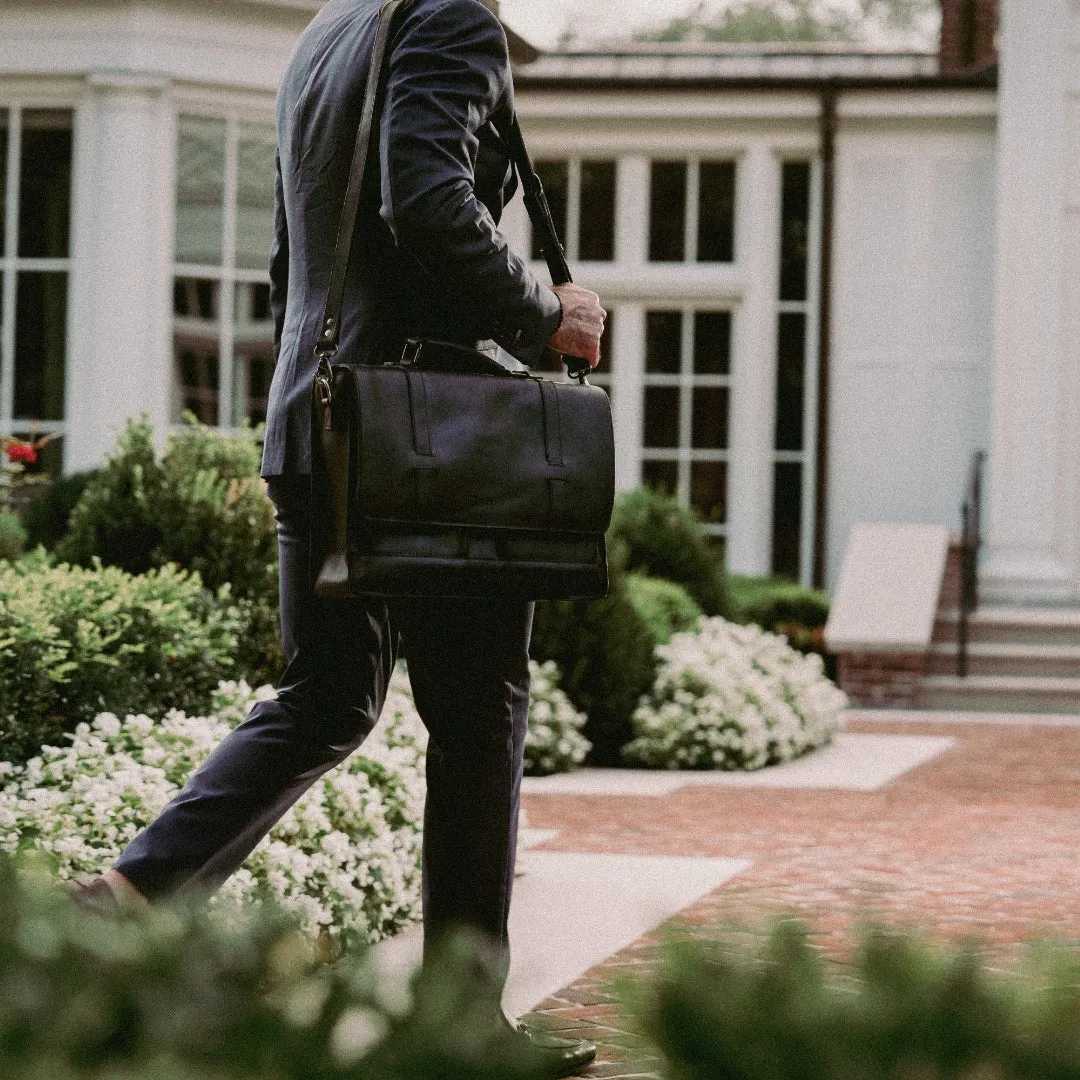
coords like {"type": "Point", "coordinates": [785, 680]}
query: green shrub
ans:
{"type": "Point", "coordinates": [907, 1010]}
{"type": "Point", "coordinates": [202, 507]}
{"type": "Point", "coordinates": [117, 517]}
{"type": "Point", "coordinates": [12, 536]}
{"type": "Point", "coordinates": [167, 994]}
{"type": "Point", "coordinates": [75, 642]}
{"type": "Point", "coordinates": [782, 607]}
{"type": "Point", "coordinates": [665, 608]}
{"type": "Point", "coordinates": [48, 514]}
{"type": "Point", "coordinates": [654, 534]}
{"type": "Point", "coordinates": [605, 653]}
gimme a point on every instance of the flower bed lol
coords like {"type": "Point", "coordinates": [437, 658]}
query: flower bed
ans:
{"type": "Point", "coordinates": [733, 697]}
{"type": "Point", "coordinates": [554, 742]}
{"type": "Point", "coordinates": [345, 859]}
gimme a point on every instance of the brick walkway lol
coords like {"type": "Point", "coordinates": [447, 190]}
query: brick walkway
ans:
{"type": "Point", "coordinates": [983, 841]}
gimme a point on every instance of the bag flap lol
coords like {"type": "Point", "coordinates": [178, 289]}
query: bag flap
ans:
{"type": "Point", "coordinates": [499, 451]}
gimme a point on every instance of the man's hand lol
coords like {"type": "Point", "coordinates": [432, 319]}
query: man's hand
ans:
{"type": "Point", "coordinates": [582, 324]}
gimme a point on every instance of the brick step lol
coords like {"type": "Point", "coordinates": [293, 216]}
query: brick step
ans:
{"type": "Point", "coordinates": [1012, 625]}
{"type": "Point", "coordinates": [998, 693]}
{"type": "Point", "coordinates": [1008, 659]}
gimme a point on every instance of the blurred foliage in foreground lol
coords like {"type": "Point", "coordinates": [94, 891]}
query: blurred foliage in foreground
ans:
{"type": "Point", "coordinates": [169, 994]}
{"type": "Point", "coordinates": [907, 1011]}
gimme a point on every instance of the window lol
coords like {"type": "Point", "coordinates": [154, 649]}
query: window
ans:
{"type": "Point", "coordinates": [223, 332]}
{"type": "Point", "coordinates": [35, 223]}
{"type": "Point", "coordinates": [793, 458]}
{"type": "Point", "coordinates": [582, 199]}
{"type": "Point", "coordinates": [687, 407]}
{"type": "Point", "coordinates": [692, 211]}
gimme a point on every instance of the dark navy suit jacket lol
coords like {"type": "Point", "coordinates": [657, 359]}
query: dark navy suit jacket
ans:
{"type": "Point", "coordinates": [428, 258]}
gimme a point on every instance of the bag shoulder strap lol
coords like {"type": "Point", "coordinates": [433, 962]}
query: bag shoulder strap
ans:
{"type": "Point", "coordinates": [535, 200]}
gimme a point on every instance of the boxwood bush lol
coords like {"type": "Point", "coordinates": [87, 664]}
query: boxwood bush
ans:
{"type": "Point", "coordinates": [906, 1010]}
{"type": "Point", "coordinates": [168, 994]}
{"type": "Point", "coordinates": [604, 650]}
{"type": "Point", "coordinates": [655, 535]}
{"type": "Point", "coordinates": [664, 607]}
{"type": "Point", "coordinates": [201, 506]}
{"type": "Point", "coordinates": [77, 641]}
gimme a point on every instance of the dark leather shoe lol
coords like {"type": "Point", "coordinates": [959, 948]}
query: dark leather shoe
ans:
{"type": "Point", "coordinates": [564, 1056]}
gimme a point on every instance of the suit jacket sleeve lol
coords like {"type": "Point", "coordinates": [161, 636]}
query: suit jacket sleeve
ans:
{"type": "Point", "coordinates": [279, 262]}
{"type": "Point", "coordinates": [449, 72]}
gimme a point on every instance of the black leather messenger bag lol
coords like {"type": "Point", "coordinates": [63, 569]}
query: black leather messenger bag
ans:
{"type": "Point", "coordinates": [443, 474]}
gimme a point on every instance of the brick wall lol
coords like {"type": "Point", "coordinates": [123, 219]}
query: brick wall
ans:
{"type": "Point", "coordinates": [881, 680]}
{"type": "Point", "coordinates": [968, 35]}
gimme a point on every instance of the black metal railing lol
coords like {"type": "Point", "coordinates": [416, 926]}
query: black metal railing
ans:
{"type": "Point", "coordinates": [970, 541]}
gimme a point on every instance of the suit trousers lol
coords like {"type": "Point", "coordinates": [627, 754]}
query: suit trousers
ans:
{"type": "Point", "coordinates": [469, 668]}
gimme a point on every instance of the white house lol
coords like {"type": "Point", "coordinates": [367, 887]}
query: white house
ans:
{"type": "Point", "coordinates": [833, 275]}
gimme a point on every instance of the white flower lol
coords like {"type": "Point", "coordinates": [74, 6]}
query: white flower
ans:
{"type": "Point", "coordinates": [346, 859]}
{"type": "Point", "coordinates": [733, 697]}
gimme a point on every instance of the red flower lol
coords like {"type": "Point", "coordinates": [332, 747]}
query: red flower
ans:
{"type": "Point", "coordinates": [22, 452]}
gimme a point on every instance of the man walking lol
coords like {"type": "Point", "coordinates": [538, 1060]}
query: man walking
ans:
{"type": "Point", "coordinates": [428, 261]}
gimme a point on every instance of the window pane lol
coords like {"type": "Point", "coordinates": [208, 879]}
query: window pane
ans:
{"type": "Point", "coordinates": [196, 329]}
{"type": "Point", "coordinates": [708, 490]}
{"type": "Point", "coordinates": [255, 176]}
{"type": "Point", "coordinates": [663, 342]}
{"type": "Point", "coordinates": [787, 519]}
{"type": "Point", "coordinates": [253, 366]}
{"type": "Point", "coordinates": [790, 381]}
{"type": "Point", "coordinates": [667, 212]}
{"type": "Point", "coordinates": [200, 192]}
{"type": "Point", "coordinates": [597, 234]}
{"type": "Point", "coordinates": [661, 416]}
{"type": "Point", "coordinates": [3, 179]}
{"type": "Point", "coordinates": [662, 476]}
{"type": "Point", "coordinates": [710, 413]}
{"type": "Point", "coordinates": [716, 213]}
{"type": "Point", "coordinates": [40, 345]}
{"type": "Point", "coordinates": [795, 230]}
{"type": "Point", "coordinates": [555, 176]}
{"type": "Point", "coordinates": [712, 343]}
{"type": "Point", "coordinates": [45, 184]}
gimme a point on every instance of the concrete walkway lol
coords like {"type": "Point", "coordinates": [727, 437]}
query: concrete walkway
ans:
{"type": "Point", "coordinates": [953, 825]}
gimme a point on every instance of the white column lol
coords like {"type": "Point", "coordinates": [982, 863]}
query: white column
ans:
{"type": "Point", "coordinates": [750, 484]}
{"type": "Point", "coordinates": [1033, 507]}
{"type": "Point", "coordinates": [628, 347]}
{"type": "Point", "coordinates": [120, 307]}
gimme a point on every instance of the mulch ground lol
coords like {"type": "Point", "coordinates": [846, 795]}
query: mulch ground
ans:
{"type": "Point", "coordinates": [982, 842]}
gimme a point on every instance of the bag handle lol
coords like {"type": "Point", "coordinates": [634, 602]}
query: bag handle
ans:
{"type": "Point", "coordinates": [535, 202]}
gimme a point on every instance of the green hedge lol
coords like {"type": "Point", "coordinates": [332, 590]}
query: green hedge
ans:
{"type": "Point", "coordinates": [604, 650]}
{"type": "Point", "coordinates": [78, 641]}
{"type": "Point", "coordinates": [201, 506]}
{"type": "Point", "coordinates": [664, 607]}
{"type": "Point", "coordinates": [783, 607]}
{"type": "Point", "coordinates": [166, 994]}
{"type": "Point", "coordinates": [906, 1011]}
{"type": "Point", "coordinates": [653, 534]}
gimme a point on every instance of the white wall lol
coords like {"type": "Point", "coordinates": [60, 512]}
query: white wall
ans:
{"type": "Point", "coordinates": [912, 322]}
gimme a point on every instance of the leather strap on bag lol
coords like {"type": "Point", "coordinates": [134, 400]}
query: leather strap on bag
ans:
{"type": "Point", "coordinates": [535, 202]}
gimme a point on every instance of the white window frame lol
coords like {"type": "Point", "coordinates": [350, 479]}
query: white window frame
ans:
{"type": "Point", "coordinates": [687, 380]}
{"type": "Point", "coordinates": [231, 399]}
{"type": "Point", "coordinates": [12, 264]}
